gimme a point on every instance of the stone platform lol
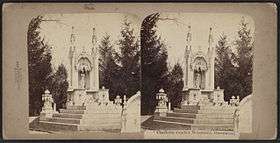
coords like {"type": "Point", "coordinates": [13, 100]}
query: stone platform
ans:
{"type": "Point", "coordinates": [79, 118]}
{"type": "Point", "coordinates": [194, 117]}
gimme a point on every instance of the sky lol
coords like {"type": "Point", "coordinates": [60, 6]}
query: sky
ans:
{"type": "Point", "coordinates": [174, 32]}
{"type": "Point", "coordinates": [57, 34]}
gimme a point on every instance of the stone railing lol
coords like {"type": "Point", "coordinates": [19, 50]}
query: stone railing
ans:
{"type": "Point", "coordinates": [131, 118]}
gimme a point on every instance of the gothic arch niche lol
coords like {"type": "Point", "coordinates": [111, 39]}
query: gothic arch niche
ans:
{"type": "Point", "coordinates": [200, 69]}
{"type": "Point", "coordinates": [84, 68]}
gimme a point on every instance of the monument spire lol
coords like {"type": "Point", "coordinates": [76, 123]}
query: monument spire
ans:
{"type": "Point", "coordinates": [73, 36]}
{"type": "Point", "coordinates": [189, 38]}
{"type": "Point", "coordinates": [71, 55]}
{"type": "Point", "coordinates": [93, 39]}
{"type": "Point", "coordinates": [210, 39]}
{"type": "Point", "coordinates": [72, 41]}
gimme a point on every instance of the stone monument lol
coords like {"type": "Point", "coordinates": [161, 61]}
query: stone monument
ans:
{"type": "Point", "coordinates": [202, 107]}
{"type": "Point", "coordinates": [87, 106]}
{"type": "Point", "coordinates": [161, 108]}
{"type": "Point", "coordinates": [49, 106]}
{"type": "Point", "coordinates": [198, 77]}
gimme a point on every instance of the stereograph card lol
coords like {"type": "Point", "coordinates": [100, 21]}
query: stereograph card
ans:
{"type": "Point", "coordinates": [139, 71]}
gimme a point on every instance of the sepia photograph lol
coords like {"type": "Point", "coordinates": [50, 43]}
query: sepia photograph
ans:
{"type": "Point", "coordinates": [84, 73]}
{"type": "Point", "coordinates": [139, 71]}
{"type": "Point", "coordinates": [197, 73]}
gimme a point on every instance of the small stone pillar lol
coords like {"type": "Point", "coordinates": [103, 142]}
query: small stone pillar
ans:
{"type": "Point", "coordinates": [234, 101]}
{"type": "Point", "coordinates": [236, 120]}
{"type": "Point", "coordinates": [169, 106]}
{"type": "Point", "coordinates": [47, 109]}
{"type": "Point", "coordinates": [124, 115]}
{"type": "Point", "coordinates": [161, 108]}
{"type": "Point", "coordinates": [103, 96]}
{"type": "Point", "coordinates": [118, 100]}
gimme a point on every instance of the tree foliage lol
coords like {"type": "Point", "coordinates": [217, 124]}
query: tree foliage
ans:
{"type": "Point", "coordinates": [108, 75]}
{"type": "Point", "coordinates": [234, 64]}
{"type": "Point", "coordinates": [175, 85]}
{"type": "Point", "coordinates": [39, 65]}
{"type": "Point", "coordinates": [225, 71]}
{"type": "Point", "coordinates": [244, 59]}
{"type": "Point", "coordinates": [153, 63]}
{"type": "Point", "coordinates": [129, 58]}
{"type": "Point", "coordinates": [59, 86]}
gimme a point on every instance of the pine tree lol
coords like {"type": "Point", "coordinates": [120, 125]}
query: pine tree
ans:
{"type": "Point", "coordinates": [39, 65]}
{"type": "Point", "coordinates": [175, 85]}
{"type": "Point", "coordinates": [244, 59]}
{"type": "Point", "coordinates": [129, 59]}
{"type": "Point", "coordinates": [225, 71]}
{"type": "Point", "coordinates": [109, 70]}
{"type": "Point", "coordinates": [59, 86]}
{"type": "Point", "coordinates": [153, 63]}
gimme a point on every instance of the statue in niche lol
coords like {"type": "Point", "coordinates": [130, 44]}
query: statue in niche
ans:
{"type": "Point", "coordinates": [198, 80]}
{"type": "Point", "coordinates": [82, 82]}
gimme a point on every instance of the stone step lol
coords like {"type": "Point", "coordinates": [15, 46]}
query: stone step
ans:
{"type": "Point", "coordinates": [213, 121]}
{"type": "Point", "coordinates": [53, 126]}
{"type": "Point", "coordinates": [224, 127]}
{"type": "Point", "coordinates": [177, 110]}
{"type": "Point", "coordinates": [190, 107]}
{"type": "Point", "coordinates": [76, 107]}
{"type": "Point", "coordinates": [215, 111]}
{"type": "Point", "coordinates": [100, 127]}
{"type": "Point", "coordinates": [217, 107]}
{"type": "Point", "coordinates": [68, 115]}
{"type": "Point", "coordinates": [166, 125]}
{"type": "Point", "coordinates": [101, 115]}
{"type": "Point", "coordinates": [72, 111]}
{"type": "Point", "coordinates": [175, 119]}
{"type": "Point", "coordinates": [62, 120]}
{"type": "Point", "coordinates": [196, 121]}
{"type": "Point", "coordinates": [97, 121]}
{"type": "Point", "coordinates": [177, 114]}
{"type": "Point", "coordinates": [214, 116]}
{"type": "Point", "coordinates": [213, 127]}
{"type": "Point", "coordinates": [185, 111]}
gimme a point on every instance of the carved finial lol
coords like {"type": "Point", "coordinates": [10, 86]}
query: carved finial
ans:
{"type": "Point", "coordinates": [210, 39]}
{"type": "Point", "coordinates": [189, 35]}
{"type": "Point", "coordinates": [93, 40]}
{"type": "Point", "coordinates": [72, 38]}
{"type": "Point", "coordinates": [161, 90]}
{"type": "Point", "coordinates": [124, 97]}
{"type": "Point", "coordinates": [103, 87]}
{"type": "Point", "coordinates": [47, 91]}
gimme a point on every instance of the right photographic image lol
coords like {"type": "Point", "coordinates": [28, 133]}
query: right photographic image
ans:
{"type": "Point", "coordinates": [196, 72]}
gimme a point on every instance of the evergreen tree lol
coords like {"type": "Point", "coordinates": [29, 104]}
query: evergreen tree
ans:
{"type": "Point", "coordinates": [129, 60]}
{"type": "Point", "coordinates": [244, 59]}
{"type": "Point", "coordinates": [153, 63]}
{"type": "Point", "coordinates": [109, 70]}
{"type": "Point", "coordinates": [39, 65]}
{"type": "Point", "coordinates": [59, 86]}
{"type": "Point", "coordinates": [175, 85]}
{"type": "Point", "coordinates": [225, 71]}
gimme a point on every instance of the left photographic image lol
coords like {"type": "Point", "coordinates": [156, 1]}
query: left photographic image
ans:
{"type": "Point", "coordinates": [84, 73]}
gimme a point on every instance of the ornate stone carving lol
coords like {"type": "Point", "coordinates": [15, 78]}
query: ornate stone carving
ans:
{"type": "Point", "coordinates": [161, 107]}
{"type": "Point", "coordinates": [49, 107]}
{"type": "Point", "coordinates": [118, 100]}
{"type": "Point", "coordinates": [83, 64]}
{"type": "Point", "coordinates": [199, 64]}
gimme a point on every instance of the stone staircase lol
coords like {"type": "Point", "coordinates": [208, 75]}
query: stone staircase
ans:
{"type": "Point", "coordinates": [76, 118]}
{"type": "Point", "coordinates": [193, 117]}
